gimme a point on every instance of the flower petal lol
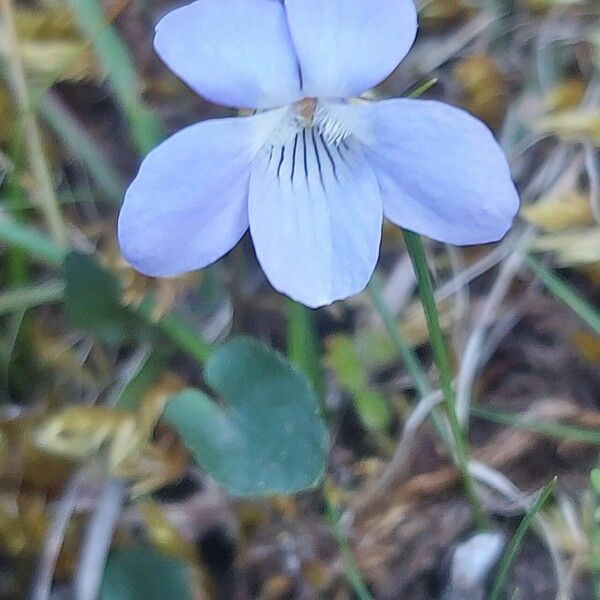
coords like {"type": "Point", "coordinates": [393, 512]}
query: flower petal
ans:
{"type": "Point", "coordinates": [233, 52]}
{"type": "Point", "coordinates": [188, 206]}
{"type": "Point", "coordinates": [441, 172]}
{"type": "Point", "coordinates": [315, 218]}
{"type": "Point", "coordinates": [346, 47]}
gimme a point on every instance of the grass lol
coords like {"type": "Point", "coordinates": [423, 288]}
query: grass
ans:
{"type": "Point", "coordinates": [510, 553]}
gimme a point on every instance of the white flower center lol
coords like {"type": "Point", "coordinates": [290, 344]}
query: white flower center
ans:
{"type": "Point", "coordinates": [310, 144]}
{"type": "Point", "coordinates": [312, 115]}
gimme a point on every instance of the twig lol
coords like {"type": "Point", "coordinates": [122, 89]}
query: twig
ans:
{"type": "Point", "coordinates": [400, 460]}
{"type": "Point", "coordinates": [42, 583]}
{"type": "Point", "coordinates": [98, 537]}
{"type": "Point", "coordinates": [471, 359]}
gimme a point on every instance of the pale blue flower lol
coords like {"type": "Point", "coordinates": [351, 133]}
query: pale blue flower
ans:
{"type": "Point", "coordinates": [310, 174]}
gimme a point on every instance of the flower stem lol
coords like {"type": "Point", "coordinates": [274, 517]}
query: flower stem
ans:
{"type": "Point", "coordinates": [416, 252]}
{"type": "Point", "coordinates": [511, 551]}
{"type": "Point", "coordinates": [408, 357]}
{"type": "Point", "coordinates": [302, 344]}
{"type": "Point", "coordinates": [351, 570]}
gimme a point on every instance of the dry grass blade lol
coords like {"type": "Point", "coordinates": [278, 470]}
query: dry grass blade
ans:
{"type": "Point", "coordinates": [44, 187]}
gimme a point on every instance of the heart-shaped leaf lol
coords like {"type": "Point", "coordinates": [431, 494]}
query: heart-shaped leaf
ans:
{"type": "Point", "coordinates": [142, 573]}
{"type": "Point", "coordinates": [268, 437]}
{"type": "Point", "coordinates": [92, 300]}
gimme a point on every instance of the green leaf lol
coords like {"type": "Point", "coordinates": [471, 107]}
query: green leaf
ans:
{"type": "Point", "coordinates": [142, 573]}
{"type": "Point", "coordinates": [595, 479]}
{"type": "Point", "coordinates": [92, 300]}
{"type": "Point", "coordinates": [268, 438]}
{"type": "Point", "coordinates": [373, 410]}
{"type": "Point", "coordinates": [93, 303]}
{"type": "Point", "coordinates": [302, 344]}
{"type": "Point", "coordinates": [345, 364]}
{"type": "Point", "coordinates": [371, 407]}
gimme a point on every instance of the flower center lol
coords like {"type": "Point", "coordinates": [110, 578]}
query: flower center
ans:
{"type": "Point", "coordinates": [305, 112]}
{"type": "Point", "coordinates": [310, 144]}
{"type": "Point", "coordinates": [310, 114]}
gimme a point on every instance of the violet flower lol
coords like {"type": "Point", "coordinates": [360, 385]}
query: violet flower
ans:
{"type": "Point", "coordinates": [310, 173]}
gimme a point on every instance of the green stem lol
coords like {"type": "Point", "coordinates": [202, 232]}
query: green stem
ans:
{"type": "Point", "coordinates": [510, 553]}
{"type": "Point", "coordinates": [351, 570]}
{"type": "Point", "coordinates": [562, 291]}
{"type": "Point", "coordinates": [303, 352]}
{"type": "Point", "coordinates": [416, 252]}
{"type": "Point", "coordinates": [403, 348]}
{"type": "Point", "coordinates": [302, 345]}
{"type": "Point", "coordinates": [408, 357]}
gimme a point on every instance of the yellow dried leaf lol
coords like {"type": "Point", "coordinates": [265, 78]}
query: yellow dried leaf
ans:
{"type": "Point", "coordinates": [51, 45]}
{"type": "Point", "coordinates": [554, 214]}
{"type": "Point", "coordinates": [580, 247]}
{"type": "Point", "coordinates": [567, 94]}
{"type": "Point", "coordinates": [572, 125]}
{"type": "Point", "coordinates": [437, 13]}
{"type": "Point", "coordinates": [544, 5]}
{"type": "Point", "coordinates": [58, 355]}
{"type": "Point", "coordinates": [164, 535]}
{"type": "Point", "coordinates": [54, 23]}
{"type": "Point", "coordinates": [588, 344]}
{"type": "Point", "coordinates": [7, 116]}
{"type": "Point", "coordinates": [277, 587]}
{"type": "Point", "coordinates": [63, 60]}
{"type": "Point", "coordinates": [166, 291]}
{"type": "Point", "coordinates": [316, 573]}
{"type": "Point", "coordinates": [483, 87]}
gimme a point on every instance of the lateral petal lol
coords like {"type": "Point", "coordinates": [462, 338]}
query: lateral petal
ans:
{"type": "Point", "coordinates": [187, 206]}
{"type": "Point", "coordinates": [440, 170]}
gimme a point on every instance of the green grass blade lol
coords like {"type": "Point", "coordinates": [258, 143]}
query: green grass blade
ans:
{"type": "Point", "coordinates": [179, 332]}
{"type": "Point", "coordinates": [543, 427]}
{"type": "Point", "coordinates": [30, 295]}
{"type": "Point", "coordinates": [400, 343]}
{"type": "Point", "coordinates": [419, 91]}
{"type": "Point", "coordinates": [29, 240]}
{"type": "Point", "coordinates": [145, 128]}
{"type": "Point", "coordinates": [564, 292]}
{"type": "Point", "coordinates": [351, 570]}
{"type": "Point", "coordinates": [414, 245]}
{"type": "Point", "coordinates": [513, 547]}
{"type": "Point", "coordinates": [82, 148]}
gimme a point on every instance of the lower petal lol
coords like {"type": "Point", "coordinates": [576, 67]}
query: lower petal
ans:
{"type": "Point", "coordinates": [441, 172]}
{"type": "Point", "coordinates": [187, 206]}
{"type": "Point", "coordinates": [315, 218]}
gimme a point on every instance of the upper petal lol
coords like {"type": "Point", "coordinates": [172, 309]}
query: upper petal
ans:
{"type": "Point", "coordinates": [188, 204]}
{"type": "Point", "coordinates": [315, 218]}
{"type": "Point", "coordinates": [441, 172]}
{"type": "Point", "coordinates": [233, 52]}
{"type": "Point", "coordinates": [346, 47]}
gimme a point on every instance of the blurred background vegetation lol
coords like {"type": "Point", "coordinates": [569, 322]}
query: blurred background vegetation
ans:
{"type": "Point", "coordinates": [90, 350]}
